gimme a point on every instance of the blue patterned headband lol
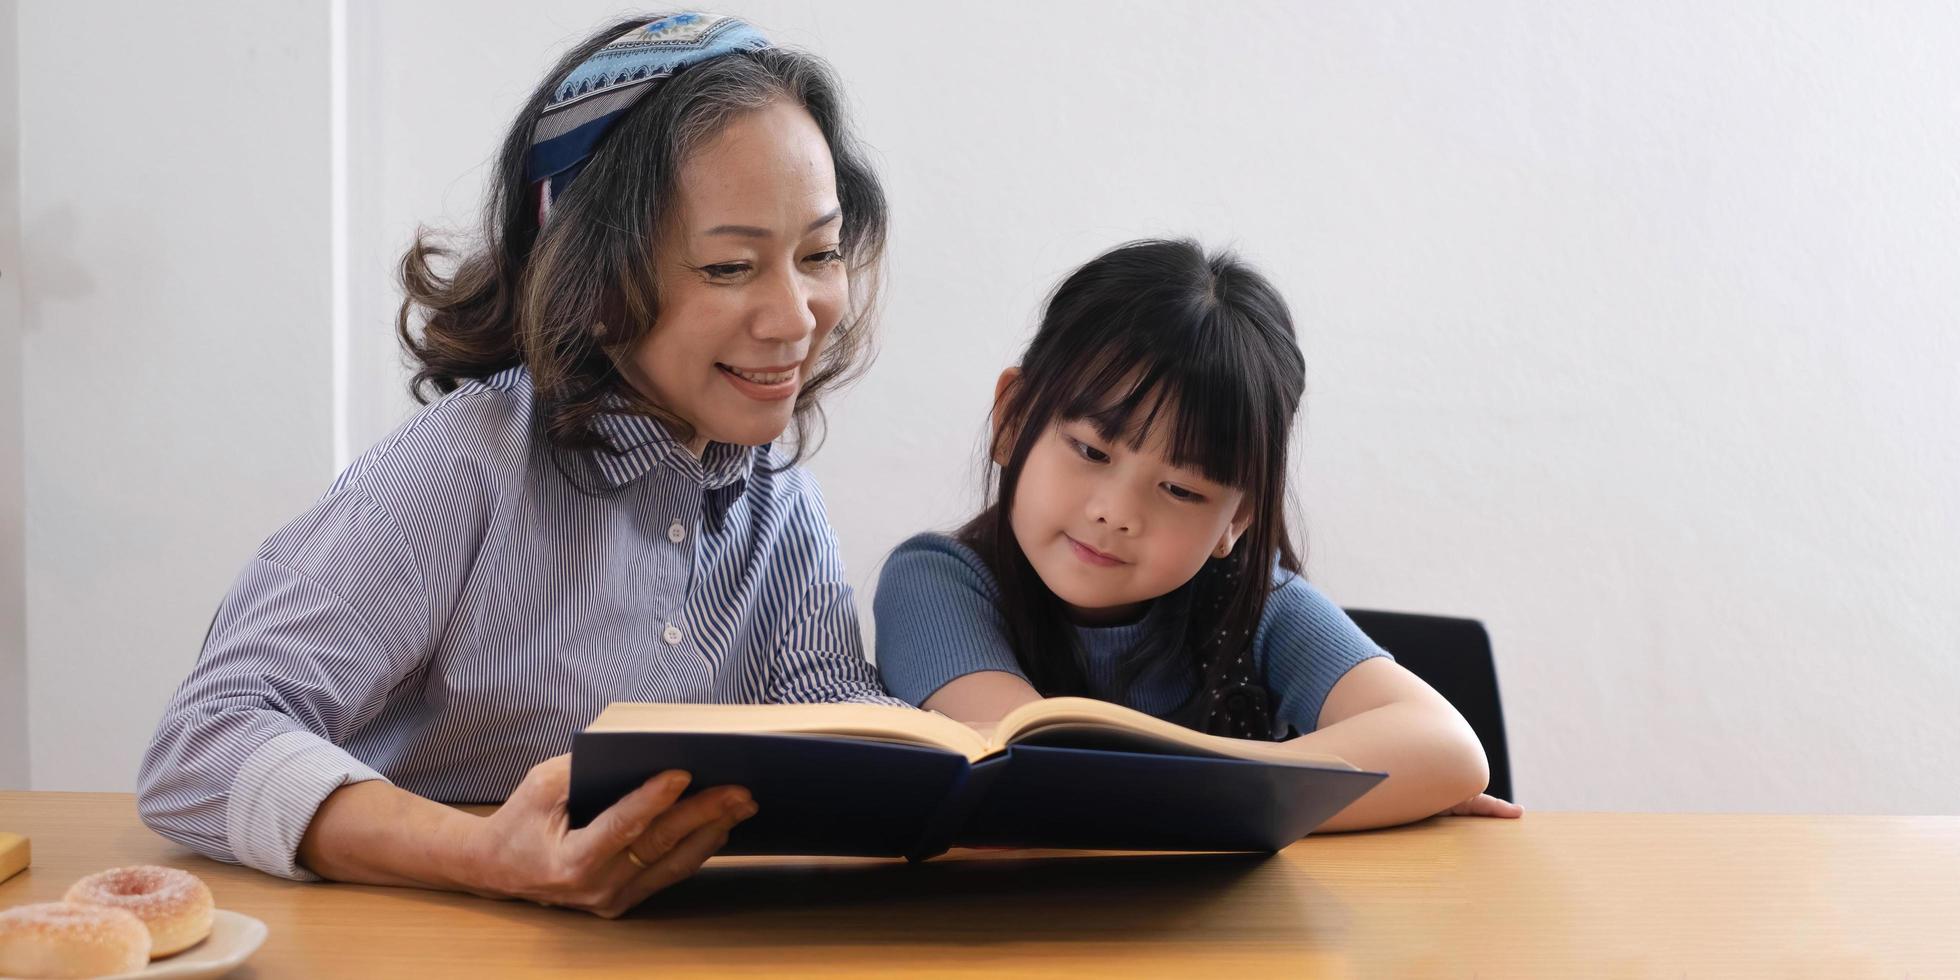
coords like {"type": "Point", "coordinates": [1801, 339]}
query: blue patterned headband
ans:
{"type": "Point", "coordinates": [604, 86]}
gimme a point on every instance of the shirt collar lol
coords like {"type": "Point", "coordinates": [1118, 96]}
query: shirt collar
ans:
{"type": "Point", "coordinates": [639, 443]}
{"type": "Point", "coordinates": [643, 442]}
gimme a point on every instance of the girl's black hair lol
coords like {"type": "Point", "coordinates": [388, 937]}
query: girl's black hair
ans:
{"type": "Point", "coordinates": [1159, 333]}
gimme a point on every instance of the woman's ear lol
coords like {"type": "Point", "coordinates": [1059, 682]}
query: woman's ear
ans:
{"type": "Point", "coordinates": [1003, 434]}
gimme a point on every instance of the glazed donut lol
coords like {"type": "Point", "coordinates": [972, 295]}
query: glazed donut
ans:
{"type": "Point", "coordinates": [174, 904]}
{"type": "Point", "coordinates": [65, 939]}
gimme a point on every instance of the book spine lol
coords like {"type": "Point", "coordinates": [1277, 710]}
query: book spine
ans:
{"type": "Point", "coordinates": [950, 818]}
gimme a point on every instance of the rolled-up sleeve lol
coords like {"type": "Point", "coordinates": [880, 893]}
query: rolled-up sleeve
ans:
{"type": "Point", "coordinates": [331, 616]}
{"type": "Point", "coordinates": [937, 620]}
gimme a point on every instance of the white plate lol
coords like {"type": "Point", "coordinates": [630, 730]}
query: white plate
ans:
{"type": "Point", "coordinates": [234, 938]}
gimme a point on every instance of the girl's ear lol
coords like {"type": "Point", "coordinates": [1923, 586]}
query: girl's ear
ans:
{"type": "Point", "coordinates": [1003, 435]}
{"type": "Point", "coordinates": [1234, 530]}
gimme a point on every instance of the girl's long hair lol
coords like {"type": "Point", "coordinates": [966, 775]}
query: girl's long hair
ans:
{"type": "Point", "coordinates": [571, 299]}
{"type": "Point", "coordinates": [1158, 333]}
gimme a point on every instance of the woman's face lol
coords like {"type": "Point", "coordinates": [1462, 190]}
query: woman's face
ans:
{"type": "Point", "coordinates": [750, 279]}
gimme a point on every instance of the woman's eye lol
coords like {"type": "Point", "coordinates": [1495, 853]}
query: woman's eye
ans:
{"type": "Point", "coordinates": [827, 256]}
{"type": "Point", "coordinates": [725, 270]}
{"type": "Point", "coordinates": [1183, 494]}
{"type": "Point", "coordinates": [1088, 452]}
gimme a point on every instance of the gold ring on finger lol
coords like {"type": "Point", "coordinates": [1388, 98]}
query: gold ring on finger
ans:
{"type": "Point", "coordinates": [635, 858]}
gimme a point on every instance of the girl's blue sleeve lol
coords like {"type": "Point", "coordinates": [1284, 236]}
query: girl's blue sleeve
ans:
{"type": "Point", "coordinates": [1306, 644]}
{"type": "Point", "coordinates": [936, 618]}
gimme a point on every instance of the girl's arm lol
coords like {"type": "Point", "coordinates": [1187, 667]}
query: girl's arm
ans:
{"type": "Point", "coordinates": [940, 640]}
{"type": "Point", "coordinates": [1332, 682]}
{"type": "Point", "coordinates": [1381, 717]}
{"type": "Point", "coordinates": [1378, 716]}
{"type": "Point", "coordinates": [982, 698]}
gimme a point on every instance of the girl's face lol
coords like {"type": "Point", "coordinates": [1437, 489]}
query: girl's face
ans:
{"type": "Point", "coordinates": [1109, 528]}
{"type": "Point", "coordinates": [750, 279]}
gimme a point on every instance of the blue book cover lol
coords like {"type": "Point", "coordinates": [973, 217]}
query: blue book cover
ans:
{"type": "Point", "coordinates": [1097, 785]}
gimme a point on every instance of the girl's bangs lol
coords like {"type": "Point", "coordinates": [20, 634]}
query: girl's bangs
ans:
{"type": "Point", "coordinates": [1200, 391]}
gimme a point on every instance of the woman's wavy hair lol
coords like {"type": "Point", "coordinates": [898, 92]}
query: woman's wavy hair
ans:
{"type": "Point", "coordinates": [572, 299]}
{"type": "Point", "coordinates": [1158, 334]}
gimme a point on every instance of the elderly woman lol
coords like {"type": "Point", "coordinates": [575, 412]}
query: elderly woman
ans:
{"type": "Point", "coordinates": [678, 253]}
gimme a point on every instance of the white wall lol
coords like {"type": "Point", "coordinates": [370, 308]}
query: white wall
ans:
{"type": "Point", "coordinates": [1628, 329]}
{"type": "Point", "coordinates": [13, 602]}
{"type": "Point", "coordinates": [175, 373]}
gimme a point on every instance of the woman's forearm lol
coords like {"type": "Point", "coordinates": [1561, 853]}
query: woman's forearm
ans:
{"type": "Point", "coordinates": [1433, 759]}
{"type": "Point", "coordinates": [374, 833]}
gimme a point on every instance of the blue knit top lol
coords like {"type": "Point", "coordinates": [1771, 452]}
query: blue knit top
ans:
{"type": "Point", "coordinates": [938, 619]}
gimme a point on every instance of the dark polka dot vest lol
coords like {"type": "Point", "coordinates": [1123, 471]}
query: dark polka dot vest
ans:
{"type": "Point", "coordinates": [1238, 705]}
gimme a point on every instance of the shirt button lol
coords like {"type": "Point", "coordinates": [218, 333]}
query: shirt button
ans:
{"type": "Point", "coordinates": [672, 634]}
{"type": "Point", "coordinates": [677, 533]}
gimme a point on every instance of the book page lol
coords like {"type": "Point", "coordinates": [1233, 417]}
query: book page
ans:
{"type": "Point", "coordinates": [872, 722]}
{"type": "Point", "coordinates": [1088, 723]}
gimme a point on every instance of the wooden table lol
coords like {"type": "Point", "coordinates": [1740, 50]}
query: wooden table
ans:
{"type": "Point", "coordinates": [1554, 894]}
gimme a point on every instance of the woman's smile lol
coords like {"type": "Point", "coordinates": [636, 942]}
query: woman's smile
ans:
{"type": "Point", "coordinates": [764, 384]}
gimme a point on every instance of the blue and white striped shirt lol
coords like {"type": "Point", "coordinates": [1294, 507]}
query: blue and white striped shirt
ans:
{"type": "Point", "coordinates": [455, 608]}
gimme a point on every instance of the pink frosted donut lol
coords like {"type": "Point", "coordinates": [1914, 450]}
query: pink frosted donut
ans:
{"type": "Point", "coordinates": [63, 939]}
{"type": "Point", "coordinates": [175, 905]}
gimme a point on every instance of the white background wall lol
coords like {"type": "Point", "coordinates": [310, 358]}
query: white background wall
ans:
{"type": "Point", "coordinates": [13, 632]}
{"type": "Point", "coordinates": [174, 374]}
{"type": "Point", "coordinates": [1630, 328]}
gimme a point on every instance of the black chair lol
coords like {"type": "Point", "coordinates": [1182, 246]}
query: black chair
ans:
{"type": "Point", "coordinates": [1453, 656]}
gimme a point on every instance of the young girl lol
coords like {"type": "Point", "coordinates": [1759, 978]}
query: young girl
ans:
{"type": "Point", "coordinates": [1137, 551]}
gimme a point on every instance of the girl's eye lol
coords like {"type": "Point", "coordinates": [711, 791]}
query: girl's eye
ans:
{"type": "Point", "coordinates": [725, 270]}
{"type": "Point", "coordinates": [1088, 452]}
{"type": "Point", "coordinates": [1183, 494]}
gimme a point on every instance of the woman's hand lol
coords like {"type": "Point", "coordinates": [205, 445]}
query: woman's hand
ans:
{"type": "Point", "coordinates": [648, 840]}
{"type": "Point", "coordinates": [1484, 805]}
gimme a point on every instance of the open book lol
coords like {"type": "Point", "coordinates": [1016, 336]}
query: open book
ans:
{"type": "Point", "coordinates": [880, 780]}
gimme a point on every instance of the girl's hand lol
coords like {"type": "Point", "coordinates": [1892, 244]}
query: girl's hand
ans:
{"type": "Point", "coordinates": [1484, 805]}
{"type": "Point", "coordinates": [528, 850]}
